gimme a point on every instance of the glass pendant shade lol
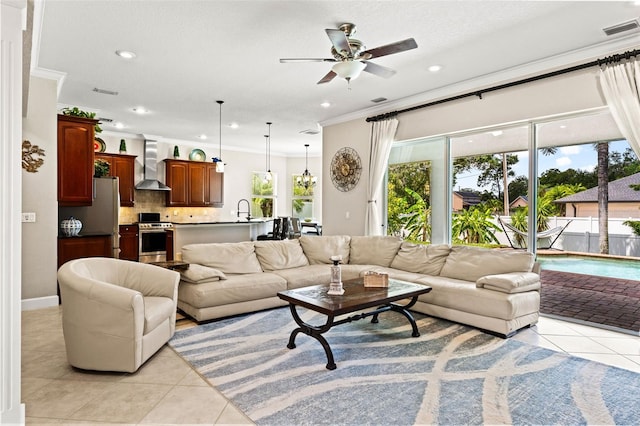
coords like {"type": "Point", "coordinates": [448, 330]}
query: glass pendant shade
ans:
{"type": "Point", "coordinates": [349, 70]}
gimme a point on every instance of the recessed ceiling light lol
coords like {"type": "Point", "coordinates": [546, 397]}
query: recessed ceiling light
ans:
{"type": "Point", "coordinates": [497, 133]}
{"type": "Point", "coordinates": [125, 54]}
{"type": "Point", "coordinates": [234, 125]}
{"type": "Point", "coordinates": [325, 104]}
{"type": "Point", "coordinates": [140, 110]}
{"type": "Point", "coordinates": [202, 136]}
{"type": "Point", "coordinates": [119, 125]}
{"type": "Point", "coordinates": [435, 68]}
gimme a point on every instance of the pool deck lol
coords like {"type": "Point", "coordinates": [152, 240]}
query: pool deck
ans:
{"type": "Point", "coordinates": [611, 302]}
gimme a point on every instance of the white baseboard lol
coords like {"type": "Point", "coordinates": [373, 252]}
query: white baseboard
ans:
{"type": "Point", "coordinates": [39, 303]}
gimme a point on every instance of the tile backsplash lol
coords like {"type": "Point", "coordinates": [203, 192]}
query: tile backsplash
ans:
{"type": "Point", "coordinates": [154, 202]}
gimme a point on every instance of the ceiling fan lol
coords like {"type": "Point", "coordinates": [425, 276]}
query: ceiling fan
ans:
{"type": "Point", "coordinates": [352, 57]}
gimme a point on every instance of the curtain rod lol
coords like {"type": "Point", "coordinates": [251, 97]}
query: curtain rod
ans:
{"type": "Point", "coordinates": [479, 93]}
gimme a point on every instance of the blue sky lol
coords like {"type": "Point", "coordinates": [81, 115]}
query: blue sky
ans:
{"type": "Point", "coordinates": [579, 157]}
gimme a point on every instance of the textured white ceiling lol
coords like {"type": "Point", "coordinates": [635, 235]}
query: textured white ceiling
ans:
{"type": "Point", "coordinates": [192, 53]}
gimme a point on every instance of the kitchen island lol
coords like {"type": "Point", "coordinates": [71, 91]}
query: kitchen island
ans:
{"type": "Point", "coordinates": [217, 232]}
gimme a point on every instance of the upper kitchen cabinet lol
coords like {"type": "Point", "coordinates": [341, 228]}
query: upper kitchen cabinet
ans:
{"type": "Point", "coordinates": [122, 166]}
{"type": "Point", "coordinates": [75, 160]}
{"type": "Point", "coordinates": [193, 184]}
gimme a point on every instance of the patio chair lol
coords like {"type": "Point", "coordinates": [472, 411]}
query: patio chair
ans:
{"type": "Point", "coordinates": [557, 231]}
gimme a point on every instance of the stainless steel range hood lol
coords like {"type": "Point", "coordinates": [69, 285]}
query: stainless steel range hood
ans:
{"type": "Point", "coordinates": [151, 182]}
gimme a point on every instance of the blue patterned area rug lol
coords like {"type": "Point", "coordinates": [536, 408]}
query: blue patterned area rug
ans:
{"type": "Point", "coordinates": [451, 374]}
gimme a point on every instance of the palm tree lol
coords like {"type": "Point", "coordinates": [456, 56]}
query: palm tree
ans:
{"type": "Point", "coordinates": [416, 219]}
{"type": "Point", "coordinates": [603, 196]}
{"type": "Point", "coordinates": [474, 226]}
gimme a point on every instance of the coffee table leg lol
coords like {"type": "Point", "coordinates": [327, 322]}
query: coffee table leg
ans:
{"type": "Point", "coordinates": [313, 331]}
{"type": "Point", "coordinates": [402, 309]}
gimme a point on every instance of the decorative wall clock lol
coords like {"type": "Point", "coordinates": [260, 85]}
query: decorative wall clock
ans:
{"type": "Point", "coordinates": [345, 169]}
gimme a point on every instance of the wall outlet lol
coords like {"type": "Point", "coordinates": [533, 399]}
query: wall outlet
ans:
{"type": "Point", "coordinates": [29, 217]}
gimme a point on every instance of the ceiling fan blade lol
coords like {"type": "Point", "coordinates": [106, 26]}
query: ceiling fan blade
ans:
{"type": "Point", "coordinates": [340, 42]}
{"type": "Point", "coordinates": [389, 49]}
{"type": "Point", "coordinates": [327, 78]}
{"type": "Point", "coordinates": [379, 70]}
{"type": "Point", "coordinates": [286, 60]}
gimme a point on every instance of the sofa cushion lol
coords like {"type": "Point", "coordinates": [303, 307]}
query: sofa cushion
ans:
{"type": "Point", "coordinates": [421, 258]}
{"type": "Point", "coordinates": [374, 250]}
{"type": "Point", "coordinates": [306, 276]}
{"type": "Point", "coordinates": [513, 282]}
{"type": "Point", "coordinates": [276, 255]}
{"type": "Point", "coordinates": [470, 263]}
{"type": "Point", "coordinates": [235, 289]}
{"type": "Point", "coordinates": [466, 297]}
{"type": "Point", "coordinates": [319, 249]}
{"type": "Point", "coordinates": [197, 273]}
{"type": "Point", "coordinates": [230, 258]}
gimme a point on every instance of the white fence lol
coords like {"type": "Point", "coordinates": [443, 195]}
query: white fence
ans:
{"type": "Point", "coordinates": [582, 235]}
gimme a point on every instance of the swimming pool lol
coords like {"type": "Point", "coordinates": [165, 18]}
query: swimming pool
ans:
{"type": "Point", "coordinates": [614, 268]}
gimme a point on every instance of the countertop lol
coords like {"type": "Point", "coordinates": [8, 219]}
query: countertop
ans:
{"type": "Point", "coordinates": [89, 234]}
{"type": "Point", "coordinates": [230, 222]}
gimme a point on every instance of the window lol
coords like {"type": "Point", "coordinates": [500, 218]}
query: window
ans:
{"type": "Point", "coordinates": [302, 198]}
{"type": "Point", "coordinates": [263, 194]}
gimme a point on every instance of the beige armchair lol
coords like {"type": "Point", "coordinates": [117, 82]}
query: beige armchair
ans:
{"type": "Point", "coordinates": [116, 313]}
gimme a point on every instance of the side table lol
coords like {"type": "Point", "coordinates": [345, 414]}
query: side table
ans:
{"type": "Point", "coordinates": [174, 265]}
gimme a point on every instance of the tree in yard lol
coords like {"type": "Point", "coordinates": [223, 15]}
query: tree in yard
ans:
{"type": "Point", "coordinates": [416, 218]}
{"type": "Point", "coordinates": [413, 176]}
{"type": "Point", "coordinates": [474, 226]}
{"type": "Point", "coordinates": [603, 196]}
{"type": "Point", "coordinates": [494, 171]}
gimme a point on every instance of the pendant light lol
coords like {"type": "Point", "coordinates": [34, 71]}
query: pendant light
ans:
{"type": "Point", "coordinates": [268, 175]}
{"type": "Point", "coordinates": [219, 163]}
{"type": "Point", "coordinates": [306, 180]}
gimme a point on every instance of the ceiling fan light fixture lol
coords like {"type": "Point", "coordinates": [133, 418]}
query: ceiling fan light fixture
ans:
{"type": "Point", "coordinates": [349, 70]}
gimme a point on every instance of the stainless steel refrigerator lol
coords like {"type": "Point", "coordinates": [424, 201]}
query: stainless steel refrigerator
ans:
{"type": "Point", "coordinates": [102, 217]}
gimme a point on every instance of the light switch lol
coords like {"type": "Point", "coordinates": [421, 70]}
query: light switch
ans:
{"type": "Point", "coordinates": [29, 217]}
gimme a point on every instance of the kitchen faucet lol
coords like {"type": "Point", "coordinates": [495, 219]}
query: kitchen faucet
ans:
{"type": "Point", "coordinates": [248, 212]}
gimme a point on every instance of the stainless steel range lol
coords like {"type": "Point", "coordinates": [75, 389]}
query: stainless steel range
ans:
{"type": "Point", "coordinates": [153, 238]}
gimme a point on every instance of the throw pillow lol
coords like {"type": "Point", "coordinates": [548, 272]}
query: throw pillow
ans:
{"type": "Point", "coordinates": [276, 255]}
{"type": "Point", "coordinates": [319, 249]}
{"type": "Point", "coordinates": [420, 258]}
{"type": "Point", "coordinates": [514, 282]}
{"type": "Point", "coordinates": [470, 263]}
{"type": "Point", "coordinates": [198, 274]}
{"type": "Point", "coordinates": [230, 258]}
{"type": "Point", "coordinates": [373, 250]}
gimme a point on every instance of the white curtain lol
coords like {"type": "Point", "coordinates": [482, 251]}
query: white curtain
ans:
{"type": "Point", "coordinates": [619, 84]}
{"type": "Point", "coordinates": [382, 134]}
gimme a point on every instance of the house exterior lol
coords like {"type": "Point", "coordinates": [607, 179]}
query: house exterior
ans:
{"type": "Point", "coordinates": [462, 200]}
{"type": "Point", "coordinates": [521, 201]}
{"type": "Point", "coordinates": [624, 201]}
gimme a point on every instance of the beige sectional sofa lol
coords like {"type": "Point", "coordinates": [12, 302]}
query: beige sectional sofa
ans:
{"type": "Point", "coordinates": [494, 290]}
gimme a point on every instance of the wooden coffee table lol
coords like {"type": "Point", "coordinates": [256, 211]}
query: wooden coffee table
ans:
{"type": "Point", "coordinates": [356, 297]}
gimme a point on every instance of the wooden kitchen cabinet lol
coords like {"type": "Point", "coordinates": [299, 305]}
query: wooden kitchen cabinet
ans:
{"type": "Point", "coordinates": [129, 242]}
{"type": "Point", "coordinates": [122, 166]}
{"type": "Point", "coordinates": [70, 248]}
{"type": "Point", "coordinates": [75, 160]}
{"type": "Point", "coordinates": [193, 184]}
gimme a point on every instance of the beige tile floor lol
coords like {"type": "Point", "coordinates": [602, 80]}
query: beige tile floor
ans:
{"type": "Point", "coordinates": [165, 390]}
